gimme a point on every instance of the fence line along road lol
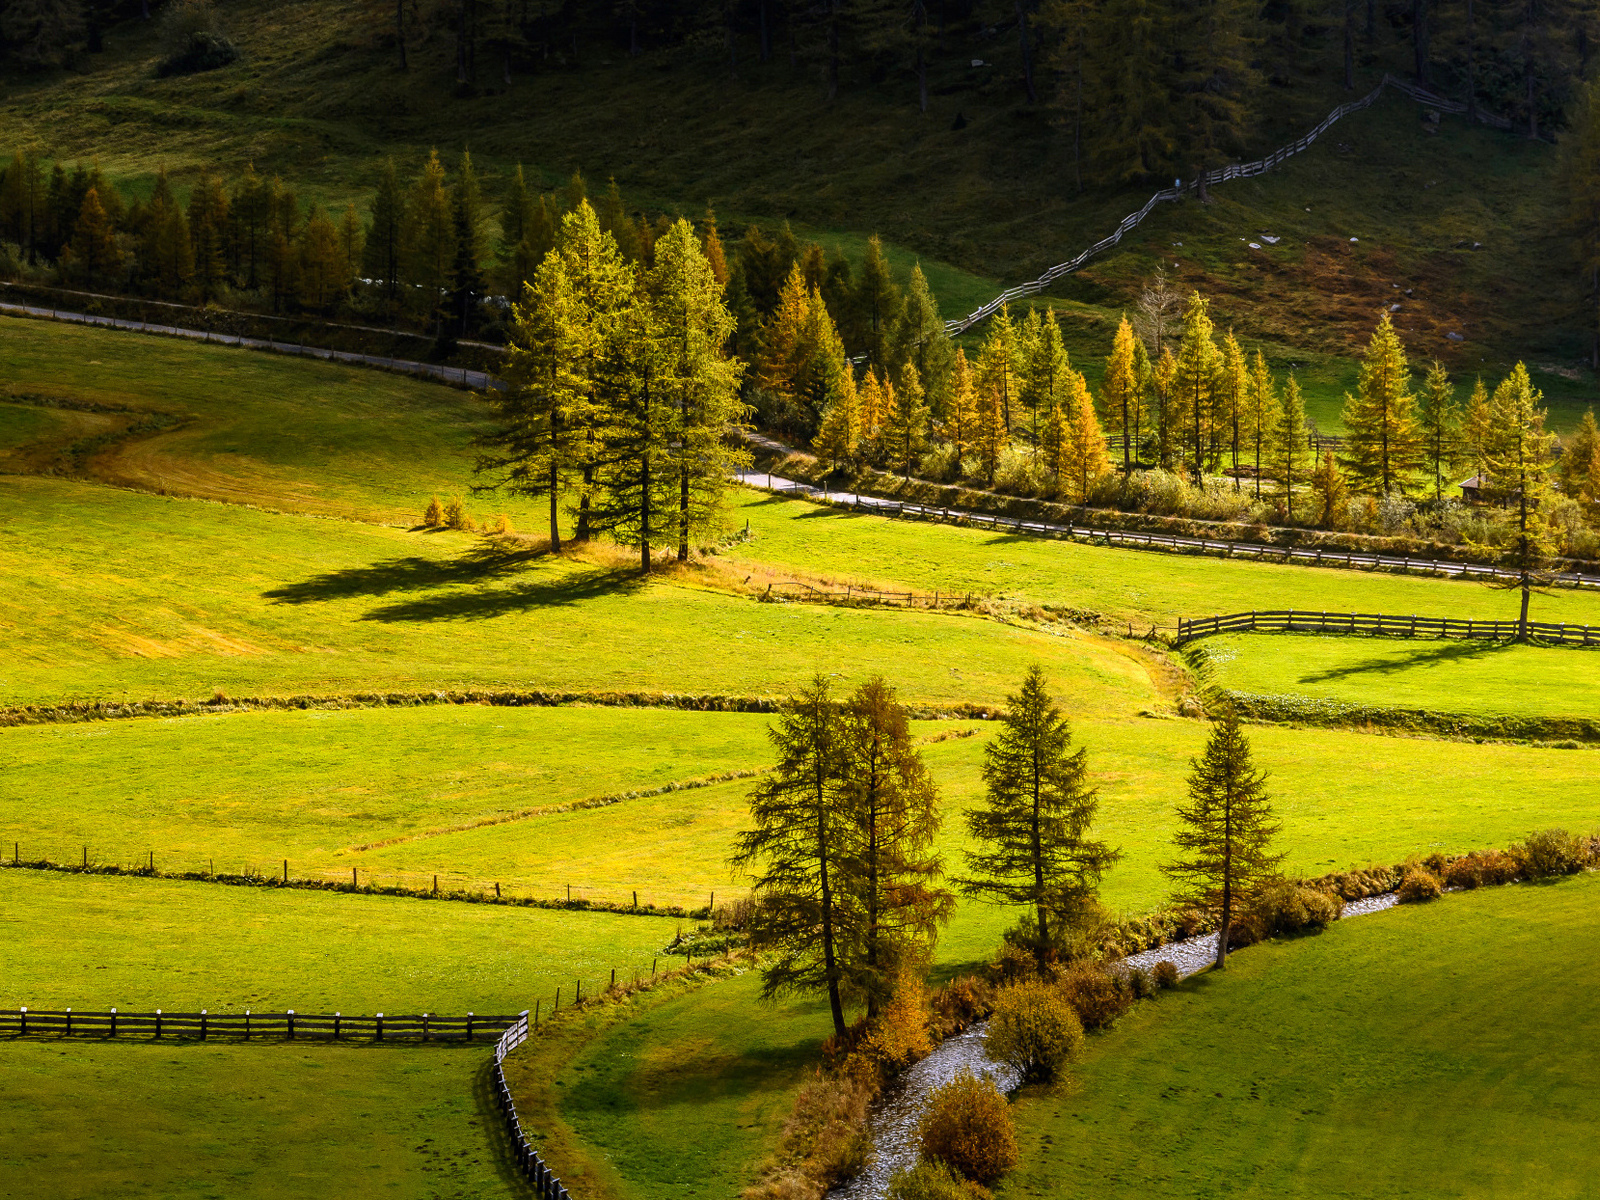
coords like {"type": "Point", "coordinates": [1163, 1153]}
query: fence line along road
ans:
{"type": "Point", "coordinates": [458, 376]}
{"type": "Point", "coordinates": [1299, 621]}
{"type": "Point", "coordinates": [288, 1025]}
{"type": "Point", "coordinates": [1300, 555]}
{"type": "Point", "coordinates": [1237, 171]}
{"type": "Point", "coordinates": [546, 1186]}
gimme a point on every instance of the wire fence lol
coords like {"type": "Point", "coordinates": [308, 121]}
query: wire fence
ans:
{"type": "Point", "coordinates": [1384, 624]}
{"type": "Point", "coordinates": [1207, 179]}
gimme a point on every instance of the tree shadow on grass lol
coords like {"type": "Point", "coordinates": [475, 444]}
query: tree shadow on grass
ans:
{"type": "Point", "coordinates": [415, 573]}
{"type": "Point", "coordinates": [477, 604]}
{"type": "Point", "coordinates": [1445, 653]}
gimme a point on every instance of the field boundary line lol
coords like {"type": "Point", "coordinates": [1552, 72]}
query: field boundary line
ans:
{"type": "Point", "coordinates": [1293, 620]}
{"type": "Point", "coordinates": [1128, 540]}
{"type": "Point", "coordinates": [1207, 179]}
{"type": "Point", "coordinates": [73, 712]}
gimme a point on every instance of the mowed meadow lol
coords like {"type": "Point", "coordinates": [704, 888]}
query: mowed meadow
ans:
{"type": "Point", "coordinates": [283, 561]}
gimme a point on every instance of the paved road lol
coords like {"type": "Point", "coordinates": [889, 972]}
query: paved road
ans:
{"type": "Point", "coordinates": [1251, 550]}
{"type": "Point", "coordinates": [459, 376]}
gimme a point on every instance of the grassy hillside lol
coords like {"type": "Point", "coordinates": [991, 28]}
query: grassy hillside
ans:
{"type": "Point", "coordinates": [319, 99]}
{"type": "Point", "coordinates": [1388, 1056]}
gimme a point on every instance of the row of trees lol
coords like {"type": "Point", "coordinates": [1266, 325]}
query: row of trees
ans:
{"type": "Point", "coordinates": [849, 891]}
{"type": "Point", "coordinates": [618, 390]}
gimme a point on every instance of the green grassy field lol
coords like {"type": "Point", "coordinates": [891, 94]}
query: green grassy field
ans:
{"type": "Point", "coordinates": [204, 1121]}
{"type": "Point", "coordinates": [1443, 676]}
{"type": "Point", "coordinates": [1434, 1051]}
{"type": "Point", "coordinates": [1137, 585]}
{"type": "Point", "coordinates": [222, 597]}
{"type": "Point", "coordinates": [90, 942]}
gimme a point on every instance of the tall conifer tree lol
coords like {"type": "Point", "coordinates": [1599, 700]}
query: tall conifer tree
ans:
{"type": "Point", "coordinates": [1383, 448]}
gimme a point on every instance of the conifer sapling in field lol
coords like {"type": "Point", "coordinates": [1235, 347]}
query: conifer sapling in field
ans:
{"type": "Point", "coordinates": [1225, 832]}
{"type": "Point", "coordinates": [1033, 845]}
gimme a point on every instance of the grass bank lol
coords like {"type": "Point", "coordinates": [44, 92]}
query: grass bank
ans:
{"type": "Point", "coordinates": [1427, 1051]}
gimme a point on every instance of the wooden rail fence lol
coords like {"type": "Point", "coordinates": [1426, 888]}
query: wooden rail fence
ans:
{"type": "Point", "coordinates": [546, 1185]}
{"type": "Point", "coordinates": [288, 1025]}
{"type": "Point", "coordinates": [1298, 621]}
{"type": "Point", "coordinates": [1237, 171]}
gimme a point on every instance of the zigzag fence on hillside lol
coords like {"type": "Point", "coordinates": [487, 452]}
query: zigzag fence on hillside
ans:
{"type": "Point", "coordinates": [1175, 543]}
{"type": "Point", "coordinates": [288, 1025]}
{"type": "Point", "coordinates": [1383, 624]}
{"type": "Point", "coordinates": [456, 376]}
{"type": "Point", "coordinates": [1207, 179]}
{"type": "Point", "coordinates": [546, 1185]}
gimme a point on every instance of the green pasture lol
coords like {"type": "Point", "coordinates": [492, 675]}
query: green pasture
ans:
{"type": "Point", "coordinates": [309, 437]}
{"type": "Point", "coordinates": [203, 1120]}
{"type": "Point", "coordinates": [92, 942]}
{"type": "Point", "coordinates": [1439, 1051]}
{"type": "Point", "coordinates": [1137, 585]}
{"type": "Point", "coordinates": [1487, 678]}
{"type": "Point", "coordinates": [252, 789]}
{"type": "Point", "coordinates": [112, 595]}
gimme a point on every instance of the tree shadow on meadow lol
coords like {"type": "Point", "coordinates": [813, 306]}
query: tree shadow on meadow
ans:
{"type": "Point", "coordinates": [456, 585]}
{"type": "Point", "coordinates": [1444, 654]}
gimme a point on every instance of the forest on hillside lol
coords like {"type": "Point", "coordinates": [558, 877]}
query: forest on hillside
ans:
{"type": "Point", "coordinates": [1139, 89]}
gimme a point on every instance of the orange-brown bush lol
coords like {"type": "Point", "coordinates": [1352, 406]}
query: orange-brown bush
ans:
{"type": "Point", "coordinates": [899, 1037]}
{"type": "Point", "coordinates": [958, 1004]}
{"type": "Point", "coordinates": [1419, 886]}
{"type": "Point", "coordinates": [968, 1127]}
{"type": "Point", "coordinates": [1551, 852]}
{"type": "Point", "coordinates": [1096, 995]}
{"type": "Point", "coordinates": [1166, 974]}
{"type": "Point", "coordinates": [823, 1141]}
{"type": "Point", "coordinates": [1033, 1029]}
{"type": "Point", "coordinates": [1481, 868]}
{"type": "Point", "coordinates": [455, 514]}
{"type": "Point", "coordinates": [934, 1181]}
{"type": "Point", "coordinates": [433, 518]}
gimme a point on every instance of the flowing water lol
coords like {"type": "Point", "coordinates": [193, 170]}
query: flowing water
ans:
{"type": "Point", "coordinates": [893, 1120]}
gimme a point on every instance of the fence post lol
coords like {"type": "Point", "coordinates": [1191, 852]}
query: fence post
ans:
{"type": "Point", "coordinates": [378, 1036]}
{"type": "Point", "coordinates": [290, 1015]}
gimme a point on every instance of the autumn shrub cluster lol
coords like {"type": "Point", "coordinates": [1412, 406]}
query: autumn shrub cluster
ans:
{"type": "Point", "coordinates": [1418, 886]}
{"type": "Point", "coordinates": [1034, 1029]}
{"type": "Point", "coordinates": [932, 1180]}
{"type": "Point", "coordinates": [968, 1128]}
{"type": "Point", "coordinates": [1285, 906]}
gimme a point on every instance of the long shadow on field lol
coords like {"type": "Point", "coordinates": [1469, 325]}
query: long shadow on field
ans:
{"type": "Point", "coordinates": [407, 575]}
{"type": "Point", "coordinates": [1443, 654]}
{"type": "Point", "coordinates": [478, 604]}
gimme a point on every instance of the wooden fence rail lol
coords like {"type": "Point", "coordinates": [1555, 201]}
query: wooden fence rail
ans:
{"type": "Point", "coordinates": [422, 1027]}
{"type": "Point", "coordinates": [546, 1185]}
{"type": "Point", "coordinates": [1387, 624]}
{"type": "Point", "coordinates": [1237, 171]}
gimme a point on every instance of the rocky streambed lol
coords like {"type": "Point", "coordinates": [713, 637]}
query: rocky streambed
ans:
{"type": "Point", "coordinates": [893, 1120]}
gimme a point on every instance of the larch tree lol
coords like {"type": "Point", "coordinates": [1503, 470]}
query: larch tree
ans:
{"type": "Point", "coordinates": [1084, 456]}
{"type": "Point", "coordinates": [1517, 472]}
{"type": "Point", "coordinates": [467, 285]}
{"type": "Point", "coordinates": [783, 338]}
{"type": "Point", "coordinates": [1225, 831]}
{"type": "Point", "coordinates": [93, 252]}
{"type": "Point", "coordinates": [1121, 393]}
{"type": "Point", "coordinates": [1383, 448]}
{"type": "Point", "coordinates": [351, 245]}
{"type": "Point", "coordinates": [711, 244]}
{"type": "Point", "coordinates": [1033, 831]}
{"type": "Point", "coordinates": [208, 231]}
{"type": "Point", "coordinates": [960, 423]}
{"type": "Point", "coordinates": [919, 338]}
{"type": "Point", "coordinates": [1263, 405]}
{"type": "Point", "coordinates": [997, 363]}
{"type": "Point", "coordinates": [320, 262]}
{"type": "Point", "coordinates": [1576, 453]}
{"type": "Point", "coordinates": [992, 433]}
{"type": "Point", "coordinates": [1438, 421]}
{"type": "Point", "coordinates": [1233, 399]}
{"type": "Point", "coordinates": [545, 406]}
{"type": "Point", "coordinates": [1163, 387]}
{"type": "Point", "coordinates": [1291, 448]}
{"type": "Point", "coordinates": [1045, 372]}
{"type": "Point", "coordinates": [840, 432]}
{"type": "Point", "coordinates": [1477, 426]}
{"type": "Point", "coordinates": [699, 381]}
{"type": "Point", "coordinates": [1034, 378]}
{"type": "Point", "coordinates": [1195, 379]}
{"type": "Point", "coordinates": [905, 430]}
{"type": "Point", "coordinates": [803, 914]}
{"type": "Point", "coordinates": [875, 401]}
{"type": "Point", "coordinates": [384, 257]}
{"type": "Point", "coordinates": [889, 864]}
{"type": "Point", "coordinates": [876, 302]}
{"type": "Point", "coordinates": [250, 211]}
{"type": "Point", "coordinates": [1331, 491]}
{"type": "Point", "coordinates": [430, 235]}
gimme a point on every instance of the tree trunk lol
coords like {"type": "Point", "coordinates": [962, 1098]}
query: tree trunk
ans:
{"type": "Point", "coordinates": [1472, 54]}
{"type": "Point", "coordinates": [1419, 39]}
{"type": "Point", "coordinates": [1027, 51]}
{"type": "Point", "coordinates": [1043, 951]}
{"type": "Point", "coordinates": [1350, 45]}
{"type": "Point", "coordinates": [644, 513]}
{"type": "Point", "coordinates": [833, 50]}
{"type": "Point", "coordinates": [1522, 621]}
{"type": "Point", "coordinates": [829, 961]}
{"type": "Point", "coordinates": [766, 32]}
{"type": "Point", "coordinates": [1372, 19]}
